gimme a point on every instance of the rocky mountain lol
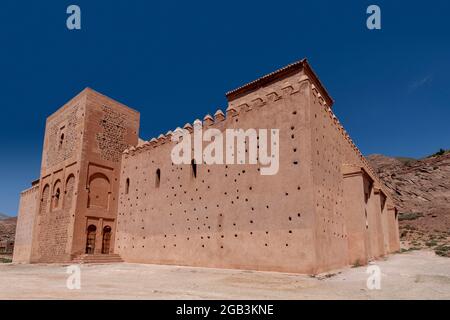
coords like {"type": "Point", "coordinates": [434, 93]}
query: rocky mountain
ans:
{"type": "Point", "coordinates": [421, 190]}
{"type": "Point", "coordinates": [7, 228]}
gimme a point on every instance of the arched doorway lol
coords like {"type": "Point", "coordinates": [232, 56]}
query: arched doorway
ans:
{"type": "Point", "coordinates": [90, 240]}
{"type": "Point", "coordinates": [99, 191]}
{"type": "Point", "coordinates": [106, 239]}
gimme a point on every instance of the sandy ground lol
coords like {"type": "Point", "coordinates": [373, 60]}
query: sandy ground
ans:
{"type": "Point", "coordinates": [412, 275]}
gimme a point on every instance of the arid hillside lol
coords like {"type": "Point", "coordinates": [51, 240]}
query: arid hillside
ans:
{"type": "Point", "coordinates": [7, 227]}
{"type": "Point", "coordinates": [421, 189]}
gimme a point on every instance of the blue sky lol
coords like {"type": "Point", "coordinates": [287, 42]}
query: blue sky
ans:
{"type": "Point", "coordinates": [173, 61]}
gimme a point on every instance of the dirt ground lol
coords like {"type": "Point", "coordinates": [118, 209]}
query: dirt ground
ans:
{"type": "Point", "coordinates": [411, 275]}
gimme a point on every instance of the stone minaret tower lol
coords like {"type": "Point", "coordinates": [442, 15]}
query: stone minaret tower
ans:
{"type": "Point", "coordinates": [76, 207]}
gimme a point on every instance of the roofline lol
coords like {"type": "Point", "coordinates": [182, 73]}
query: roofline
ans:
{"type": "Point", "coordinates": [95, 92]}
{"type": "Point", "coordinates": [279, 74]}
{"type": "Point", "coordinates": [317, 81]}
{"type": "Point", "coordinates": [85, 92]}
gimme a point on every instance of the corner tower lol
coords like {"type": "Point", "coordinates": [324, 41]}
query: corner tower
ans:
{"type": "Point", "coordinates": [79, 180]}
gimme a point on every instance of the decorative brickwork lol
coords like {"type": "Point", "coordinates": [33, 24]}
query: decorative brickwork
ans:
{"type": "Point", "coordinates": [62, 137]}
{"type": "Point", "coordinates": [112, 140]}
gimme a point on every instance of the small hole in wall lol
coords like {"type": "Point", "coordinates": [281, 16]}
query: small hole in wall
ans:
{"type": "Point", "coordinates": [158, 178]}
{"type": "Point", "coordinates": [127, 186]}
{"type": "Point", "coordinates": [193, 168]}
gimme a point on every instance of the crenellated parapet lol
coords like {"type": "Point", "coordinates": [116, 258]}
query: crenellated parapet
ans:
{"type": "Point", "coordinates": [281, 84]}
{"type": "Point", "coordinates": [208, 122]}
{"type": "Point", "coordinates": [232, 112]}
{"type": "Point", "coordinates": [317, 95]}
{"type": "Point", "coordinates": [296, 78]}
{"type": "Point", "coordinates": [267, 95]}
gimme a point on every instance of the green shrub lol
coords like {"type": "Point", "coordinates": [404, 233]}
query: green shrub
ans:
{"type": "Point", "coordinates": [443, 251]}
{"type": "Point", "coordinates": [409, 216]}
{"type": "Point", "coordinates": [439, 153]}
{"type": "Point", "coordinates": [357, 264]}
{"type": "Point", "coordinates": [431, 243]}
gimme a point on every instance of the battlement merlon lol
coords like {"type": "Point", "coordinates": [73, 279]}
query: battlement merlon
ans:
{"type": "Point", "coordinates": [279, 75]}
